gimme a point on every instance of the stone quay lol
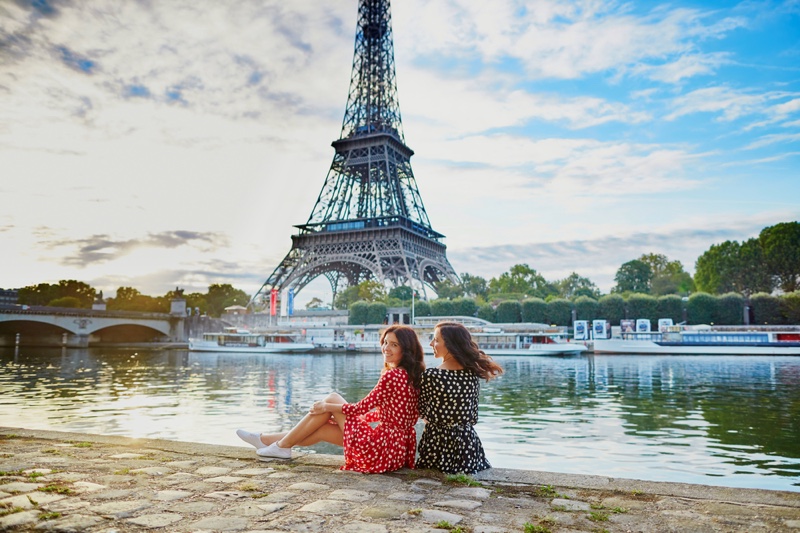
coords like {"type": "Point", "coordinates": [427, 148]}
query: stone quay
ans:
{"type": "Point", "coordinates": [76, 482]}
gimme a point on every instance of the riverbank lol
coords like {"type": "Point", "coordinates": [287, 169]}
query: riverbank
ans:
{"type": "Point", "coordinates": [58, 481]}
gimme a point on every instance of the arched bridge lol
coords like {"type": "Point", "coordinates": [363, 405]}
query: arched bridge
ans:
{"type": "Point", "coordinates": [57, 326]}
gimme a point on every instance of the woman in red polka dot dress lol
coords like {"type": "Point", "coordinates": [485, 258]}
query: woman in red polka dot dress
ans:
{"type": "Point", "coordinates": [392, 404]}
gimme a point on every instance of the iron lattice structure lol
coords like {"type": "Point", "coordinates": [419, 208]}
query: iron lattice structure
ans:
{"type": "Point", "coordinates": [369, 221]}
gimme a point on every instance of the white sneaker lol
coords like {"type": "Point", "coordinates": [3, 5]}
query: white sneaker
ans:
{"type": "Point", "coordinates": [273, 450]}
{"type": "Point", "coordinates": [253, 439]}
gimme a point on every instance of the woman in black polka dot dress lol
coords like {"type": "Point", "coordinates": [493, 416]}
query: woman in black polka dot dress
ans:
{"type": "Point", "coordinates": [448, 402]}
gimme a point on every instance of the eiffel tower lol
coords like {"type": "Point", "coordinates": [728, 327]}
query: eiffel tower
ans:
{"type": "Point", "coordinates": [369, 222]}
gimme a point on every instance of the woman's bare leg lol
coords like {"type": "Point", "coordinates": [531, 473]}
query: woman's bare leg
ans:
{"type": "Point", "coordinates": [312, 428]}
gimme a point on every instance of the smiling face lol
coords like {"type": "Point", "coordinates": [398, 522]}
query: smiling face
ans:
{"type": "Point", "coordinates": [439, 349]}
{"type": "Point", "coordinates": [392, 351]}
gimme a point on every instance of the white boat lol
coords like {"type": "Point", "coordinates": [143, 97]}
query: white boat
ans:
{"type": "Point", "coordinates": [243, 341]}
{"type": "Point", "coordinates": [551, 341]}
{"type": "Point", "coordinates": [706, 340]}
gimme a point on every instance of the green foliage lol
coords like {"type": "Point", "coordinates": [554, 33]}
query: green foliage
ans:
{"type": "Point", "coordinates": [670, 306]}
{"type": "Point", "coordinates": [464, 307]}
{"type": "Point", "coordinates": [474, 286]}
{"type": "Point", "coordinates": [376, 313]}
{"type": "Point", "coordinates": [701, 308]}
{"type": "Point", "coordinates": [586, 308]}
{"type": "Point", "coordinates": [766, 309]}
{"type": "Point", "coordinates": [633, 276]}
{"type": "Point", "coordinates": [462, 479]}
{"type": "Point", "coordinates": [781, 247]}
{"type": "Point", "coordinates": [368, 291]}
{"type": "Point", "coordinates": [509, 312]}
{"type": "Point", "coordinates": [643, 306]}
{"type": "Point", "coordinates": [534, 310]}
{"type": "Point", "coordinates": [522, 279]}
{"type": "Point", "coordinates": [65, 301]}
{"type": "Point", "coordinates": [729, 309]}
{"type": "Point", "coordinates": [612, 308]}
{"type": "Point", "coordinates": [448, 290]}
{"type": "Point", "coordinates": [442, 307]}
{"type": "Point", "coordinates": [224, 295]}
{"type": "Point", "coordinates": [314, 303]}
{"type": "Point", "coordinates": [731, 267]}
{"type": "Point", "coordinates": [668, 277]}
{"type": "Point", "coordinates": [574, 286]}
{"type": "Point", "coordinates": [559, 312]}
{"type": "Point", "coordinates": [359, 313]}
{"type": "Point", "coordinates": [486, 312]}
{"type": "Point", "coordinates": [790, 307]}
{"type": "Point", "coordinates": [402, 293]}
{"type": "Point", "coordinates": [45, 293]}
{"type": "Point", "coordinates": [422, 308]}
{"type": "Point", "coordinates": [130, 299]}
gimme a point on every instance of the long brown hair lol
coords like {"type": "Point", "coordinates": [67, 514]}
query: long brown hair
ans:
{"type": "Point", "coordinates": [458, 341]}
{"type": "Point", "coordinates": [412, 359]}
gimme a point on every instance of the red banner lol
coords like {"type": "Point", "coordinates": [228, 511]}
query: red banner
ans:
{"type": "Point", "coordinates": [273, 301]}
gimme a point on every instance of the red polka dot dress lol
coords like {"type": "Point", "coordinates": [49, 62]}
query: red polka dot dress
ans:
{"type": "Point", "coordinates": [392, 443]}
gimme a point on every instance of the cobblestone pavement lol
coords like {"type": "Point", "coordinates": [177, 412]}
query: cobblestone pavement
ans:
{"type": "Point", "coordinates": [54, 481]}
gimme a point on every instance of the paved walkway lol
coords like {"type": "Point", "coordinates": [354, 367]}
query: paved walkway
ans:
{"type": "Point", "coordinates": [54, 481]}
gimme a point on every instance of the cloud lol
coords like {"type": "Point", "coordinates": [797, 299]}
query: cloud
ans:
{"type": "Point", "coordinates": [731, 104]}
{"type": "Point", "coordinates": [561, 40]}
{"type": "Point", "coordinates": [102, 248]}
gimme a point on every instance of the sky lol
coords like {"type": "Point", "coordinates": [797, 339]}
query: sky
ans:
{"type": "Point", "coordinates": [176, 143]}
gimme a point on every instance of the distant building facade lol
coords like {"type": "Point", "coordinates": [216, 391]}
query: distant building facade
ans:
{"type": "Point", "coordinates": [9, 296]}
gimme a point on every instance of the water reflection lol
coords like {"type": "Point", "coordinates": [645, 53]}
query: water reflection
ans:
{"type": "Point", "coordinates": [731, 421]}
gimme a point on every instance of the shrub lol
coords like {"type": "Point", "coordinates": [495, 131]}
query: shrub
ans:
{"type": "Point", "coordinates": [359, 313]}
{"type": "Point", "coordinates": [509, 312]}
{"type": "Point", "coordinates": [790, 307]}
{"type": "Point", "coordinates": [586, 308]}
{"type": "Point", "coordinates": [766, 309]}
{"type": "Point", "coordinates": [534, 310]}
{"type": "Point", "coordinates": [442, 307]}
{"type": "Point", "coordinates": [611, 308]}
{"type": "Point", "coordinates": [643, 306]}
{"type": "Point", "coordinates": [670, 306]}
{"type": "Point", "coordinates": [700, 308]}
{"type": "Point", "coordinates": [376, 313]}
{"type": "Point", "coordinates": [422, 308]}
{"type": "Point", "coordinates": [729, 309]}
{"type": "Point", "coordinates": [464, 307]}
{"type": "Point", "coordinates": [559, 312]}
{"type": "Point", "coordinates": [486, 312]}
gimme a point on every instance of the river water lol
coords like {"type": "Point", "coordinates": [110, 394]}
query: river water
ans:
{"type": "Point", "coordinates": [716, 420]}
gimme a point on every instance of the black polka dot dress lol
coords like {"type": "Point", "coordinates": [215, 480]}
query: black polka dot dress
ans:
{"type": "Point", "coordinates": [448, 403]}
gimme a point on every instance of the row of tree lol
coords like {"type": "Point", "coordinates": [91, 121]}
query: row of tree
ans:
{"type": "Point", "coordinates": [77, 294]}
{"type": "Point", "coordinates": [699, 308]}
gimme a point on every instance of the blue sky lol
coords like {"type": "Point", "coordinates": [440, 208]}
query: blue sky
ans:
{"type": "Point", "coordinates": [164, 144]}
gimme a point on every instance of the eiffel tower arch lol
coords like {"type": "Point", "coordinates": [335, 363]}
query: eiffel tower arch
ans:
{"type": "Point", "coordinates": [369, 222]}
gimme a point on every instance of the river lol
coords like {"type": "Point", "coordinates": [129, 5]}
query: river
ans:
{"type": "Point", "coordinates": [716, 420]}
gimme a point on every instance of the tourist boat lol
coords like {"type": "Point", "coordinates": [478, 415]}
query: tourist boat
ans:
{"type": "Point", "coordinates": [705, 340]}
{"type": "Point", "coordinates": [243, 341]}
{"type": "Point", "coordinates": [551, 341]}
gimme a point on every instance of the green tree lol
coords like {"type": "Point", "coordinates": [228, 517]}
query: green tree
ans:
{"type": "Point", "coordinates": [422, 308]}
{"type": "Point", "coordinates": [781, 246]}
{"type": "Point", "coordinates": [447, 289]}
{"type": "Point", "coordinates": [314, 303]}
{"type": "Point", "coordinates": [574, 285]}
{"type": "Point", "coordinates": [534, 310]}
{"type": "Point", "coordinates": [668, 277]}
{"type": "Point", "coordinates": [78, 289]}
{"type": "Point", "coordinates": [345, 298]}
{"type": "Point", "coordinates": [474, 286]}
{"type": "Point", "coordinates": [368, 291]}
{"type": "Point", "coordinates": [521, 279]}
{"type": "Point", "coordinates": [633, 276]}
{"type": "Point", "coordinates": [65, 301]}
{"type": "Point", "coordinates": [224, 295]}
{"type": "Point", "coordinates": [402, 293]}
{"type": "Point", "coordinates": [753, 275]}
{"type": "Point", "coordinates": [40, 294]}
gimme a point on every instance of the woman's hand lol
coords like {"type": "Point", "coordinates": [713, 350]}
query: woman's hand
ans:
{"type": "Point", "coordinates": [317, 408]}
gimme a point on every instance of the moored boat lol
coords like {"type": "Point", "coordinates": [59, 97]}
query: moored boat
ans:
{"type": "Point", "coordinates": [705, 340]}
{"type": "Point", "coordinates": [496, 342]}
{"type": "Point", "coordinates": [243, 341]}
